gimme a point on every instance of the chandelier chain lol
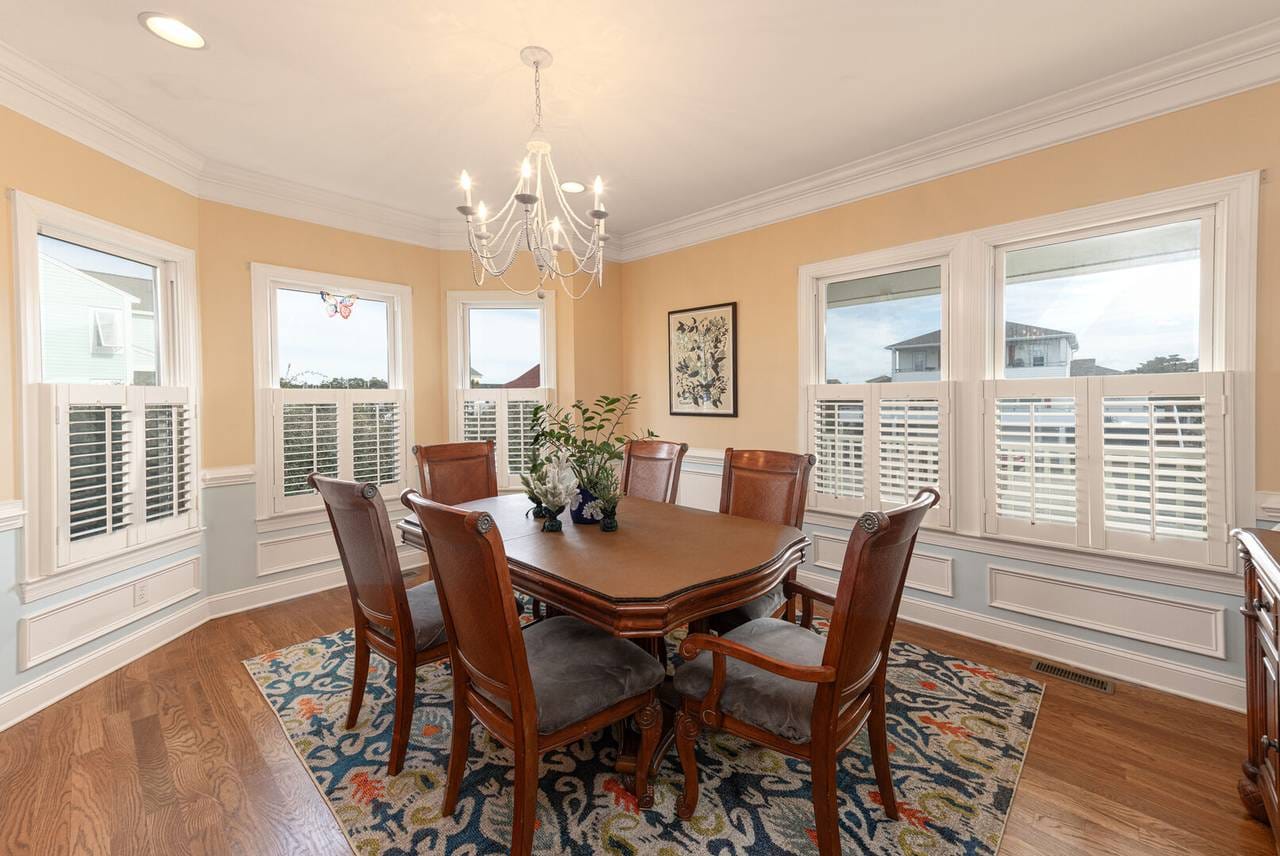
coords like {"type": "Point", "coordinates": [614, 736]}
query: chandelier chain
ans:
{"type": "Point", "coordinates": [537, 95]}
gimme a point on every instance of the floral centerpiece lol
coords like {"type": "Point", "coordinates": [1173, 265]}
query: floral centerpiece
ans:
{"type": "Point", "coordinates": [589, 438]}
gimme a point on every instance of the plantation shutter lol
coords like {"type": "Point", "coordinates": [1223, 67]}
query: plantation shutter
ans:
{"type": "Point", "coordinates": [307, 437]}
{"type": "Point", "coordinates": [1160, 445]}
{"type": "Point", "coordinates": [377, 438]}
{"type": "Point", "coordinates": [1036, 459]}
{"type": "Point", "coordinates": [168, 448]}
{"type": "Point", "coordinates": [95, 462]}
{"type": "Point", "coordinates": [913, 440]}
{"type": "Point", "coordinates": [838, 440]}
{"type": "Point", "coordinates": [501, 415]}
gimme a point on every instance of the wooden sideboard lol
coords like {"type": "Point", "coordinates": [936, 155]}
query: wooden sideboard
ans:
{"type": "Point", "coordinates": [1260, 785]}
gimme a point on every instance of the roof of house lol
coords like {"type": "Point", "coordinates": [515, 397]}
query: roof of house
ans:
{"type": "Point", "coordinates": [1012, 330]}
{"type": "Point", "coordinates": [1090, 368]}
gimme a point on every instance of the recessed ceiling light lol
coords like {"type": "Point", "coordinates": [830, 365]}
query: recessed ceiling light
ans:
{"type": "Point", "coordinates": [171, 30]}
{"type": "Point", "coordinates": [572, 186]}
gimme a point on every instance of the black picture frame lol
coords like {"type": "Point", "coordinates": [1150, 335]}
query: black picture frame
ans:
{"type": "Point", "coordinates": [731, 309]}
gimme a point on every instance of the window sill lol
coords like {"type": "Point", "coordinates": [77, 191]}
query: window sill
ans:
{"type": "Point", "coordinates": [1200, 577]}
{"type": "Point", "coordinates": [86, 572]}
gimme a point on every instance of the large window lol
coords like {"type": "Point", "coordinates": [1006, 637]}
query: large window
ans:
{"type": "Point", "coordinates": [501, 359]}
{"type": "Point", "coordinates": [109, 376]}
{"type": "Point", "coordinates": [333, 368]}
{"type": "Point", "coordinates": [1070, 385]}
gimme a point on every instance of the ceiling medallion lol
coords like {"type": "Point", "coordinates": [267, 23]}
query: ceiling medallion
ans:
{"type": "Point", "coordinates": [536, 216]}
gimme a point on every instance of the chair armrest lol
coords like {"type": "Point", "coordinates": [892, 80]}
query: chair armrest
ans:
{"type": "Point", "coordinates": [807, 597]}
{"type": "Point", "coordinates": [720, 648]}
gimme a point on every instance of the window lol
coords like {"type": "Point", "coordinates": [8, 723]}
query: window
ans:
{"type": "Point", "coordinates": [1112, 301]}
{"type": "Point", "coordinates": [501, 361]}
{"type": "Point", "coordinates": [1078, 393]}
{"type": "Point", "coordinates": [109, 379]}
{"type": "Point", "coordinates": [884, 327]}
{"type": "Point", "coordinates": [333, 367]}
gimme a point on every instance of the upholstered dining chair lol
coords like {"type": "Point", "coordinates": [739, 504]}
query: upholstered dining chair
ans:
{"type": "Point", "coordinates": [768, 486]}
{"type": "Point", "coordinates": [454, 473]}
{"type": "Point", "coordinates": [534, 690]}
{"type": "Point", "coordinates": [406, 627]}
{"type": "Point", "coordinates": [784, 686]}
{"type": "Point", "coordinates": [651, 469]}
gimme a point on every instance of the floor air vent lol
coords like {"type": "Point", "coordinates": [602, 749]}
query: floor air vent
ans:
{"type": "Point", "coordinates": [1076, 676]}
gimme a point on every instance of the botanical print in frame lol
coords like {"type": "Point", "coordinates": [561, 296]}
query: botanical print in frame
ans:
{"type": "Point", "coordinates": [702, 355]}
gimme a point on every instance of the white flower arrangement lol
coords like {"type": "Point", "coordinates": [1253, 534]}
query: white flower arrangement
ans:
{"type": "Point", "coordinates": [593, 510]}
{"type": "Point", "coordinates": [555, 484]}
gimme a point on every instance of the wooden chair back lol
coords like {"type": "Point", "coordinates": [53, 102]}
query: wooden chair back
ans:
{"type": "Point", "coordinates": [870, 591]}
{"type": "Point", "coordinates": [651, 469]}
{"type": "Point", "coordinates": [367, 548]}
{"type": "Point", "coordinates": [454, 473]}
{"type": "Point", "coordinates": [469, 565]}
{"type": "Point", "coordinates": [768, 486]}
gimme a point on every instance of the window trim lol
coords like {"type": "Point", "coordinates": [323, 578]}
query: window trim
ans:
{"type": "Point", "coordinates": [456, 339]}
{"type": "Point", "coordinates": [178, 356]}
{"type": "Point", "coordinates": [971, 305]}
{"type": "Point", "coordinates": [264, 280]}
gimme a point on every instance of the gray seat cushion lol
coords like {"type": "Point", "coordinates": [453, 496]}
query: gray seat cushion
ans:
{"type": "Point", "coordinates": [779, 705]}
{"type": "Point", "coordinates": [428, 620]}
{"type": "Point", "coordinates": [762, 607]}
{"type": "Point", "coordinates": [579, 670]}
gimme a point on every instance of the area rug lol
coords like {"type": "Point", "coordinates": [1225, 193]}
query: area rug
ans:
{"type": "Point", "coordinates": [958, 734]}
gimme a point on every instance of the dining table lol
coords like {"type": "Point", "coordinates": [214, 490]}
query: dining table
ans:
{"type": "Point", "coordinates": [665, 566]}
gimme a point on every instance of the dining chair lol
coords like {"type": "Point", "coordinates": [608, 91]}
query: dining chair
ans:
{"type": "Point", "coordinates": [651, 469]}
{"type": "Point", "coordinates": [534, 690]}
{"type": "Point", "coordinates": [405, 626]}
{"type": "Point", "coordinates": [768, 486]}
{"type": "Point", "coordinates": [784, 686]}
{"type": "Point", "coordinates": [454, 473]}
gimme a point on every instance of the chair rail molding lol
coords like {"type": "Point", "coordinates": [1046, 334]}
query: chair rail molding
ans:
{"type": "Point", "coordinates": [227, 476]}
{"type": "Point", "coordinates": [13, 514]}
{"type": "Point", "coordinates": [1234, 63]}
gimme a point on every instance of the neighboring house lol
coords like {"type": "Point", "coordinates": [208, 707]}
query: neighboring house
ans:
{"type": "Point", "coordinates": [95, 331]}
{"type": "Point", "coordinates": [531, 379]}
{"type": "Point", "coordinates": [1030, 351]}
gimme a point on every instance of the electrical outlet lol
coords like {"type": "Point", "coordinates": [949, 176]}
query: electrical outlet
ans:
{"type": "Point", "coordinates": [140, 593]}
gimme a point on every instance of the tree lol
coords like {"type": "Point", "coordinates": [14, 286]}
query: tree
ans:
{"type": "Point", "coordinates": [1166, 365]}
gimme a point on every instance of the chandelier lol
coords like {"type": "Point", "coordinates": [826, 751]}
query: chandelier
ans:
{"type": "Point", "coordinates": [536, 216]}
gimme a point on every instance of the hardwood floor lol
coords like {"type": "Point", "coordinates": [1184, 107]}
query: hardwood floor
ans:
{"type": "Point", "coordinates": [178, 753]}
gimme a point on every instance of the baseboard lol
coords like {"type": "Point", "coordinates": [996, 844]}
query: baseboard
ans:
{"type": "Point", "coordinates": [37, 694]}
{"type": "Point", "coordinates": [1165, 675]}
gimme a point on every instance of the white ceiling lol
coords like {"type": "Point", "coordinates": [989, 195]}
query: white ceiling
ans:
{"type": "Point", "coordinates": [680, 105]}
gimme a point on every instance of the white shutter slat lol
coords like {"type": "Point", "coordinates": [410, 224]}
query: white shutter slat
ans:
{"type": "Point", "coordinates": [168, 472]}
{"type": "Point", "coordinates": [479, 420]}
{"type": "Point", "coordinates": [910, 453]}
{"type": "Point", "coordinates": [309, 443]}
{"type": "Point", "coordinates": [377, 439]}
{"type": "Point", "coordinates": [519, 434]}
{"type": "Point", "coordinates": [838, 438]}
{"type": "Point", "coordinates": [1035, 459]}
{"type": "Point", "coordinates": [98, 452]}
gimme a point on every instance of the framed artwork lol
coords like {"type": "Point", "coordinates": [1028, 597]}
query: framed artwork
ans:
{"type": "Point", "coordinates": [702, 360]}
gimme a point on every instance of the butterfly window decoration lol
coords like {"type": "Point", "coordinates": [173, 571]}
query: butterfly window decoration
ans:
{"type": "Point", "coordinates": [338, 304]}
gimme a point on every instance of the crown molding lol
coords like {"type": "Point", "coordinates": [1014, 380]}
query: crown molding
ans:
{"type": "Point", "coordinates": [1216, 69]}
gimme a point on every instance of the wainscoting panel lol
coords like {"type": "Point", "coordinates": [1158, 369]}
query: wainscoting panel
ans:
{"type": "Point", "coordinates": [47, 634]}
{"type": "Point", "coordinates": [315, 550]}
{"type": "Point", "coordinates": [1179, 624]}
{"type": "Point", "coordinates": [927, 573]}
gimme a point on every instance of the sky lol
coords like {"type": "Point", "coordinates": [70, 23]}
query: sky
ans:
{"type": "Point", "coordinates": [505, 343]}
{"type": "Point", "coordinates": [1121, 318]}
{"type": "Point", "coordinates": [308, 339]}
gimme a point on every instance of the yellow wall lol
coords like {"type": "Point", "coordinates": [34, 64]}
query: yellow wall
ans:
{"type": "Point", "coordinates": [38, 161]}
{"type": "Point", "coordinates": [227, 239]}
{"type": "Point", "coordinates": [759, 268]}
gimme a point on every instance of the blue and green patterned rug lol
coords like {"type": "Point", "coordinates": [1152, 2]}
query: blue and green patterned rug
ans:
{"type": "Point", "coordinates": [958, 733]}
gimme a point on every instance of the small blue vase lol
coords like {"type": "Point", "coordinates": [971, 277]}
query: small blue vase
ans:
{"type": "Point", "coordinates": [576, 511]}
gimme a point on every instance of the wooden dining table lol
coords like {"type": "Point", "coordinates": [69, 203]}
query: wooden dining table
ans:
{"type": "Point", "coordinates": [665, 566]}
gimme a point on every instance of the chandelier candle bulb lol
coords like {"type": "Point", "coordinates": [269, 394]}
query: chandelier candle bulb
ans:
{"type": "Point", "coordinates": [465, 181]}
{"type": "Point", "coordinates": [599, 188]}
